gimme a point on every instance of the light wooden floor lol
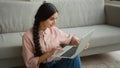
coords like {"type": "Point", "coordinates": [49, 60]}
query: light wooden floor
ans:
{"type": "Point", "coordinates": [107, 60]}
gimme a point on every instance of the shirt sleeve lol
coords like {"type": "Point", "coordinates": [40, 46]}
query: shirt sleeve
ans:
{"type": "Point", "coordinates": [28, 53]}
{"type": "Point", "coordinates": [65, 38]}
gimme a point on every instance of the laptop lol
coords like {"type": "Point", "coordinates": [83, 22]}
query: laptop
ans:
{"type": "Point", "coordinates": [71, 51]}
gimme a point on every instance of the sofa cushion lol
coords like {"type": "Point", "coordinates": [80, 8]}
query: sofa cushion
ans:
{"type": "Point", "coordinates": [79, 12]}
{"type": "Point", "coordinates": [10, 45]}
{"type": "Point", "coordinates": [103, 35]}
{"type": "Point", "coordinates": [17, 16]}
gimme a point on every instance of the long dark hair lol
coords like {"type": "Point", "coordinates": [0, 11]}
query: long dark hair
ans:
{"type": "Point", "coordinates": [45, 11]}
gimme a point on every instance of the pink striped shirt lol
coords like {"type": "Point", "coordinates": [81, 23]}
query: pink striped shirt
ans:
{"type": "Point", "coordinates": [48, 39]}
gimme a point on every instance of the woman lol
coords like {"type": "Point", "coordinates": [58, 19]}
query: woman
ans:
{"type": "Point", "coordinates": [44, 39]}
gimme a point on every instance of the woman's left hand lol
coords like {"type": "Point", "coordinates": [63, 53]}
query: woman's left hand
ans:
{"type": "Point", "coordinates": [76, 42]}
{"type": "Point", "coordinates": [87, 46]}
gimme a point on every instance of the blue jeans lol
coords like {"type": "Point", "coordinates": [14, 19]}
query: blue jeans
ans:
{"type": "Point", "coordinates": [66, 63]}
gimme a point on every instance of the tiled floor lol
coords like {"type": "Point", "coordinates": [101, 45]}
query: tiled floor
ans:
{"type": "Point", "coordinates": [107, 60]}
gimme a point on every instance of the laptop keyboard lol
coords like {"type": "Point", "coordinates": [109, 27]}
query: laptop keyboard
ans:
{"type": "Point", "coordinates": [70, 52]}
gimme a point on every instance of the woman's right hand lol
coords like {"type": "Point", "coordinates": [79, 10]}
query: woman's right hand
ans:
{"type": "Point", "coordinates": [49, 53]}
{"type": "Point", "coordinates": [56, 48]}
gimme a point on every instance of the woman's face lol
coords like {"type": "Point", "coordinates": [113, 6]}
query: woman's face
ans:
{"type": "Point", "coordinates": [50, 21]}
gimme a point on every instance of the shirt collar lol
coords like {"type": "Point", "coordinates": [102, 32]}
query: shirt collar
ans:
{"type": "Point", "coordinates": [44, 32]}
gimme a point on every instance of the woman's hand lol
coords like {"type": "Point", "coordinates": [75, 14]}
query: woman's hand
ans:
{"type": "Point", "coordinates": [76, 42]}
{"type": "Point", "coordinates": [49, 53]}
{"type": "Point", "coordinates": [87, 46]}
{"type": "Point", "coordinates": [57, 48]}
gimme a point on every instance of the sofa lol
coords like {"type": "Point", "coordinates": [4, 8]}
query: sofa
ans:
{"type": "Point", "coordinates": [75, 17]}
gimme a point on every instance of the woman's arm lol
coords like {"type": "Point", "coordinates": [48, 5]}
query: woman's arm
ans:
{"type": "Point", "coordinates": [44, 57]}
{"type": "Point", "coordinates": [28, 53]}
{"type": "Point", "coordinates": [75, 41]}
{"type": "Point", "coordinates": [65, 38]}
{"type": "Point", "coordinates": [48, 54]}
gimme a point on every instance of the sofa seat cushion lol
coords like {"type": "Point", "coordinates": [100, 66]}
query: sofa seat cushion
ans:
{"type": "Point", "coordinates": [104, 34]}
{"type": "Point", "coordinates": [10, 45]}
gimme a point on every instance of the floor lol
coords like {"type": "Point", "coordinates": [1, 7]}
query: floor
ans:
{"type": "Point", "coordinates": [107, 60]}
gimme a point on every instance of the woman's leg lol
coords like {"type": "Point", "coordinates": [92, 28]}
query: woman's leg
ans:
{"type": "Point", "coordinates": [51, 64]}
{"type": "Point", "coordinates": [69, 63]}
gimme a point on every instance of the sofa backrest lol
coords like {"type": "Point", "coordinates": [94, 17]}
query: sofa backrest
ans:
{"type": "Point", "coordinates": [74, 13]}
{"type": "Point", "coordinates": [18, 16]}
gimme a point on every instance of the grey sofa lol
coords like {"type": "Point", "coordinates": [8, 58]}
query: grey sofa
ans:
{"type": "Point", "coordinates": [75, 17]}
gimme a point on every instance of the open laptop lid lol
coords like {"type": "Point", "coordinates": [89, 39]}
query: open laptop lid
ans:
{"type": "Point", "coordinates": [84, 40]}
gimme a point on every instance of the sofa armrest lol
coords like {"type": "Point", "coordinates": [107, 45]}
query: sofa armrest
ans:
{"type": "Point", "coordinates": [112, 12]}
